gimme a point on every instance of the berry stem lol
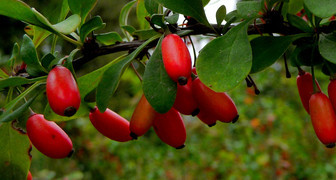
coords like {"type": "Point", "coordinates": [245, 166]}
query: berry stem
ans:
{"type": "Point", "coordinates": [248, 82]}
{"type": "Point", "coordinates": [288, 75]}
{"type": "Point", "coordinates": [136, 72]}
{"type": "Point", "coordinates": [313, 76]}
{"type": "Point", "coordinates": [316, 90]}
{"type": "Point", "coordinates": [256, 90]}
{"type": "Point", "coordinates": [194, 50]}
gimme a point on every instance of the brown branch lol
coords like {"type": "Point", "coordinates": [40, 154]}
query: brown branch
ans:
{"type": "Point", "coordinates": [197, 29]}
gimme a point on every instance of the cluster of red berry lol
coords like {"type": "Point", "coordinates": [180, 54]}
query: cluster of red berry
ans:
{"type": "Point", "coordinates": [193, 98]}
{"type": "Point", "coordinates": [321, 108]}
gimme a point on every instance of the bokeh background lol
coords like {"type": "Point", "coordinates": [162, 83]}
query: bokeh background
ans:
{"type": "Point", "coordinates": [273, 138]}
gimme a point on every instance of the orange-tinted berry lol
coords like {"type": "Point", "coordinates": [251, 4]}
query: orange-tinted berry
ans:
{"type": "Point", "coordinates": [323, 118]}
{"type": "Point", "coordinates": [142, 118]}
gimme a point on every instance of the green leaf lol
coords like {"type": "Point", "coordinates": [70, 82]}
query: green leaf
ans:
{"type": "Point", "coordinates": [46, 24]}
{"type": "Point", "coordinates": [49, 114]}
{"type": "Point", "coordinates": [224, 62]}
{"type": "Point", "coordinates": [193, 8]}
{"type": "Point", "coordinates": [152, 6]}
{"type": "Point", "coordinates": [327, 47]}
{"type": "Point", "coordinates": [321, 8]}
{"type": "Point", "coordinates": [141, 14]}
{"type": "Point", "coordinates": [69, 25]}
{"type": "Point", "coordinates": [110, 79]}
{"type": "Point", "coordinates": [220, 15]}
{"type": "Point", "coordinates": [129, 29]}
{"type": "Point", "coordinates": [248, 9]}
{"type": "Point", "coordinates": [295, 6]}
{"type": "Point", "coordinates": [299, 23]}
{"type": "Point", "coordinates": [10, 106]}
{"type": "Point", "coordinates": [173, 18]}
{"type": "Point", "coordinates": [3, 74]}
{"type": "Point", "coordinates": [233, 15]}
{"type": "Point", "coordinates": [159, 89]}
{"type": "Point", "coordinates": [64, 10]}
{"type": "Point", "coordinates": [15, 53]}
{"type": "Point", "coordinates": [40, 35]}
{"type": "Point", "coordinates": [18, 10]}
{"type": "Point", "coordinates": [124, 15]}
{"type": "Point", "coordinates": [90, 81]}
{"type": "Point", "coordinates": [93, 24]}
{"type": "Point", "coordinates": [29, 56]}
{"type": "Point", "coordinates": [15, 155]}
{"type": "Point", "coordinates": [302, 56]}
{"type": "Point", "coordinates": [18, 81]}
{"type": "Point", "coordinates": [184, 32]}
{"type": "Point", "coordinates": [158, 19]}
{"type": "Point", "coordinates": [47, 59]}
{"type": "Point", "coordinates": [145, 34]}
{"type": "Point", "coordinates": [82, 7]}
{"type": "Point", "coordinates": [12, 115]}
{"type": "Point", "coordinates": [267, 49]}
{"type": "Point", "coordinates": [205, 2]}
{"type": "Point", "coordinates": [109, 38]}
{"type": "Point", "coordinates": [68, 62]}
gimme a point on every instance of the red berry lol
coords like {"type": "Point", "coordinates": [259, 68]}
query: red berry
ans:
{"type": "Point", "coordinates": [176, 58]}
{"type": "Point", "coordinates": [219, 105]}
{"type": "Point", "coordinates": [332, 93]}
{"type": "Point", "coordinates": [62, 91]}
{"type": "Point", "coordinates": [170, 128]}
{"type": "Point", "coordinates": [323, 118]}
{"type": "Point", "coordinates": [111, 125]}
{"type": "Point", "coordinates": [304, 83]}
{"type": "Point", "coordinates": [142, 118]}
{"type": "Point", "coordinates": [207, 118]}
{"type": "Point", "coordinates": [29, 176]}
{"type": "Point", "coordinates": [184, 101]}
{"type": "Point", "coordinates": [48, 137]}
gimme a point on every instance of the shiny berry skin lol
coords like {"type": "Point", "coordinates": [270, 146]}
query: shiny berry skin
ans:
{"type": "Point", "coordinates": [169, 127]}
{"type": "Point", "coordinates": [111, 125]}
{"type": "Point", "coordinates": [219, 105]}
{"type": "Point", "coordinates": [207, 118]}
{"type": "Point", "coordinates": [332, 93]}
{"type": "Point", "coordinates": [142, 118]}
{"type": "Point", "coordinates": [29, 176]}
{"type": "Point", "coordinates": [176, 58]}
{"type": "Point", "coordinates": [62, 91]}
{"type": "Point", "coordinates": [184, 101]}
{"type": "Point", "coordinates": [48, 137]}
{"type": "Point", "coordinates": [304, 82]}
{"type": "Point", "coordinates": [323, 118]}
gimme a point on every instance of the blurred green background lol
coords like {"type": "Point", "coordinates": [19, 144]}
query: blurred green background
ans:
{"type": "Point", "coordinates": [273, 138]}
